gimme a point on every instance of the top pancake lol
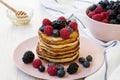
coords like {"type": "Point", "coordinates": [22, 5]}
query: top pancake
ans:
{"type": "Point", "coordinates": [58, 40]}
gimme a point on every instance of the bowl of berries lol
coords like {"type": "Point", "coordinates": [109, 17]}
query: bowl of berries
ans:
{"type": "Point", "coordinates": [103, 20]}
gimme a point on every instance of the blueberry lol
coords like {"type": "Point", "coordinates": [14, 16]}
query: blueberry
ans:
{"type": "Point", "coordinates": [41, 68]}
{"type": "Point", "coordinates": [42, 28]}
{"type": "Point", "coordinates": [56, 33]}
{"type": "Point", "coordinates": [113, 21]}
{"type": "Point", "coordinates": [89, 58]}
{"type": "Point", "coordinates": [60, 73]}
{"type": "Point", "coordinates": [70, 29]}
{"type": "Point", "coordinates": [86, 64]}
{"type": "Point", "coordinates": [92, 7]}
{"type": "Point", "coordinates": [118, 17]}
{"type": "Point", "coordinates": [28, 57]}
{"type": "Point", "coordinates": [51, 63]}
{"type": "Point", "coordinates": [81, 60]}
{"type": "Point", "coordinates": [60, 67]}
{"type": "Point", "coordinates": [112, 14]}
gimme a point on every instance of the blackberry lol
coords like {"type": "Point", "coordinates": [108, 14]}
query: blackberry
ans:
{"type": "Point", "coordinates": [41, 68]}
{"type": "Point", "coordinates": [61, 73]}
{"type": "Point", "coordinates": [89, 58]}
{"type": "Point", "coordinates": [81, 60]}
{"type": "Point", "coordinates": [86, 64]}
{"type": "Point", "coordinates": [56, 33]}
{"type": "Point", "coordinates": [92, 7]}
{"type": "Point", "coordinates": [58, 24]}
{"type": "Point", "coordinates": [73, 68]}
{"type": "Point", "coordinates": [28, 57]}
{"type": "Point", "coordinates": [42, 29]}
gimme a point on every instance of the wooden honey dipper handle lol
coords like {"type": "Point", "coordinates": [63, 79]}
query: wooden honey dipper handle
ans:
{"type": "Point", "coordinates": [8, 6]}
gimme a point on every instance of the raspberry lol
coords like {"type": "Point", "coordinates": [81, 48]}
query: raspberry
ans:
{"type": "Point", "coordinates": [90, 14]}
{"type": "Point", "coordinates": [52, 70]}
{"type": "Point", "coordinates": [99, 9]}
{"type": "Point", "coordinates": [62, 18]}
{"type": "Point", "coordinates": [73, 25]}
{"type": "Point", "coordinates": [105, 20]}
{"type": "Point", "coordinates": [64, 33]}
{"type": "Point", "coordinates": [48, 30]}
{"type": "Point", "coordinates": [103, 15]}
{"type": "Point", "coordinates": [46, 22]}
{"type": "Point", "coordinates": [36, 63]}
{"type": "Point", "coordinates": [108, 11]}
{"type": "Point", "coordinates": [97, 17]}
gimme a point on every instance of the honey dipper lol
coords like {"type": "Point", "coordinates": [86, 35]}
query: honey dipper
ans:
{"type": "Point", "coordinates": [19, 14]}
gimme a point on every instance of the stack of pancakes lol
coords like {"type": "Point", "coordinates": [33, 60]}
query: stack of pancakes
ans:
{"type": "Point", "coordinates": [56, 49]}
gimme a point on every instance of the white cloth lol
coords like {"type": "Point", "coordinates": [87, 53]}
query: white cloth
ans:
{"type": "Point", "coordinates": [113, 57]}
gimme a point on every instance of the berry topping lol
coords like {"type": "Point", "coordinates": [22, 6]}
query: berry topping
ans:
{"type": "Point", "coordinates": [60, 73]}
{"type": "Point", "coordinates": [60, 67]}
{"type": "Point", "coordinates": [56, 33]}
{"type": "Point", "coordinates": [73, 68]}
{"type": "Point", "coordinates": [36, 63]}
{"type": "Point", "coordinates": [98, 9]}
{"type": "Point", "coordinates": [81, 60]}
{"type": "Point", "coordinates": [42, 28]}
{"type": "Point", "coordinates": [28, 57]}
{"type": "Point", "coordinates": [52, 70]}
{"type": "Point", "coordinates": [64, 33]}
{"type": "Point", "coordinates": [58, 24]}
{"type": "Point", "coordinates": [48, 30]}
{"type": "Point", "coordinates": [97, 17]}
{"type": "Point", "coordinates": [89, 58]}
{"type": "Point", "coordinates": [86, 64]}
{"type": "Point", "coordinates": [46, 22]}
{"type": "Point", "coordinates": [90, 14]}
{"type": "Point", "coordinates": [41, 68]}
{"type": "Point", "coordinates": [70, 29]}
{"type": "Point", "coordinates": [73, 25]}
{"type": "Point", "coordinates": [62, 18]}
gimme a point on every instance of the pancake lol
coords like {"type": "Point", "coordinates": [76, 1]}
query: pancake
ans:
{"type": "Point", "coordinates": [58, 40]}
{"type": "Point", "coordinates": [55, 49]}
{"type": "Point", "coordinates": [62, 60]}
{"type": "Point", "coordinates": [56, 54]}
{"type": "Point", "coordinates": [47, 54]}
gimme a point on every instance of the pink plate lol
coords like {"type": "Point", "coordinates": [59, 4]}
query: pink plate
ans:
{"type": "Point", "coordinates": [87, 47]}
